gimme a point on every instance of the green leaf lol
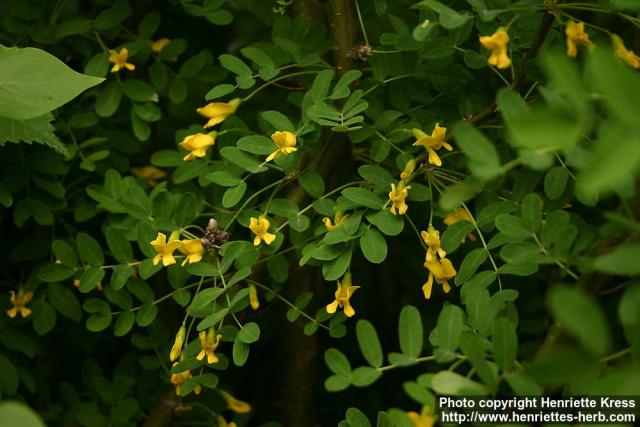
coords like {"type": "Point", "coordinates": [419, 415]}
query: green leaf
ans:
{"type": "Point", "coordinates": [64, 252]}
{"type": "Point", "coordinates": [38, 130]}
{"type": "Point", "coordinates": [337, 383]}
{"type": "Point", "coordinates": [312, 183]}
{"type": "Point", "coordinates": [450, 323]}
{"type": "Point", "coordinates": [14, 414]}
{"type": "Point", "coordinates": [320, 87]}
{"type": "Point", "coordinates": [249, 333]}
{"type": "Point", "coordinates": [454, 384]}
{"type": "Point", "coordinates": [618, 84]}
{"type": "Point", "coordinates": [205, 298]}
{"type": "Point", "coordinates": [355, 418]}
{"type": "Point", "coordinates": [336, 268]}
{"type": "Point", "coordinates": [521, 268]}
{"type": "Point", "coordinates": [34, 82]}
{"type": "Point", "coordinates": [55, 273]}
{"type": "Point", "coordinates": [484, 161]}
{"type": "Point", "coordinates": [124, 323]}
{"type": "Point", "coordinates": [279, 121]}
{"type": "Point", "coordinates": [470, 264]}
{"type": "Point", "coordinates": [240, 352]}
{"type": "Point", "coordinates": [512, 226]}
{"type": "Point", "coordinates": [389, 224]}
{"type": "Point", "coordinates": [337, 362]}
{"type": "Point", "coordinates": [613, 160]}
{"type": "Point", "coordinates": [64, 300]}
{"type": "Point", "coordinates": [90, 279]}
{"type": "Point", "coordinates": [374, 246]}
{"type": "Point", "coordinates": [505, 343]}
{"type": "Point", "coordinates": [220, 91]}
{"type": "Point", "coordinates": [473, 347]}
{"type": "Point", "coordinates": [224, 178]}
{"type": "Point", "coordinates": [363, 197]}
{"type": "Point", "coordinates": [44, 318]}
{"type": "Point", "coordinates": [376, 175]}
{"type": "Point", "coordinates": [410, 331]}
{"type": "Point", "coordinates": [242, 159]}
{"type": "Point", "coordinates": [531, 210]}
{"type": "Point", "coordinates": [480, 311]}
{"type": "Point", "coordinates": [8, 380]}
{"type": "Point", "coordinates": [555, 181]}
{"type": "Point", "coordinates": [582, 317]}
{"type": "Point", "coordinates": [233, 195]}
{"type": "Point", "coordinates": [90, 250]}
{"type": "Point", "coordinates": [341, 89]}
{"type": "Point", "coordinates": [449, 18]}
{"type": "Point", "coordinates": [369, 343]}
{"type": "Point", "coordinates": [108, 100]}
{"type": "Point", "coordinates": [119, 245]}
{"type": "Point", "coordinates": [203, 269]}
{"type": "Point", "coordinates": [98, 322]}
{"type": "Point", "coordinates": [147, 314]}
{"type": "Point", "coordinates": [541, 127]}
{"type": "Point", "coordinates": [235, 65]}
{"type": "Point", "coordinates": [622, 260]}
{"type": "Point", "coordinates": [455, 234]}
{"type": "Point", "coordinates": [364, 376]}
{"type": "Point", "coordinates": [629, 314]}
{"type": "Point", "coordinates": [256, 144]}
{"type": "Point", "coordinates": [139, 91]}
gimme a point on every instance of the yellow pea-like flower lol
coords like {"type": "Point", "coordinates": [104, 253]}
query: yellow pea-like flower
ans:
{"type": "Point", "coordinates": [217, 112]}
{"type": "Point", "coordinates": [285, 144]}
{"type": "Point", "coordinates": [576, 36]}
{"type": "Point", "coordinates": [497, 44]}
{"type": "Point", "coordinates": [343, 295]}
{"type": "Point", "coordinates": [119, 60]}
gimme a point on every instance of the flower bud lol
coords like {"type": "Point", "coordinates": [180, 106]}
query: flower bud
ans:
{"type": "Point", "coordinates": [253, 297]}
{"type": "Point", "coordinates": [177, 345]}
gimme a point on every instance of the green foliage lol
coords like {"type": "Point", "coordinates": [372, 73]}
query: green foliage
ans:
{"type": "Point", "coordinates": [530, 282]}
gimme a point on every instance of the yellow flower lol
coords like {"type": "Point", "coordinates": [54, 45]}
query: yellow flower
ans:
{"type": "Point", "coordinates": [119, 60]}
{"type": "Point", "coordinates": [20, 302]}
{"type": "Point", "coordinates": [236, 405]}
{"type": "Point", "coordinates": [397, 195]}
{"type": "Point", "coordinates": [442, 271]}
{"type": "Point", "coordinates": [459, 214]}
{"type": "Point", "coordinates": [285, 142]}
{"type": "Point", "coordinates": [260, 227]}
{"type": "Point", "coordinates": [575, 36]}
{"type": "Point", "coordinates": [209, 342]}
{"type": "Point", "coordinates": [158, 45]}
{"type": "Point", "coordinates": [253, 297]}
{"type": "Point", "coordinates": [342, 296]}
{"type": "Point", "coordinates": [431, 238]}
{"type": "Point", "coordinates": [217, 112]}
{"type": "Point", "coordinates": [177, 344]}
{"type": "Point", "coordinates": [223, 423]}
{"type": "Point", "coordinates": [151, 174]}
{"type": "Point", "coordinates": [423, 419]}
{"type": "Point", "coordinates": [497, 44]}
{"type": "Point", "coordinates": [623, 53]}
{"type": "Point", "coordinates": [408, 170]}
{"type": "Point", "coordinates": [432, 142]}
{"type": "Point", "coordinates": [197, 144]}
{"type": "Point", "coordinates": [193, 249]}
{"type": "Point", "coordinates": [339, 219]}
{"type": "Point", "coordinates": [182, 377]}
{"type": "Point", "coordinates": [164, 249]}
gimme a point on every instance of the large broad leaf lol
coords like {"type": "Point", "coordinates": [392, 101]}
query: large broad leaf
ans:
{"type": "Point", "coordinates": [38, 129]}
{"type": "Point", "coordinates": [33, 82]}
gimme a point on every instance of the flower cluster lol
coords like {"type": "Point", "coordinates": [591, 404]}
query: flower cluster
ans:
{"type": "Point", "coordinates": [575, 36]}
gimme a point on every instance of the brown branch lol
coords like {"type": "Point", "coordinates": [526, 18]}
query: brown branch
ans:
{"type": "Point", "coordinates": [343, 33]}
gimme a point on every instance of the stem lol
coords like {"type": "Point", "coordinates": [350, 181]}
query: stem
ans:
{"type": "Point", "coordinates": [342, 32]}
